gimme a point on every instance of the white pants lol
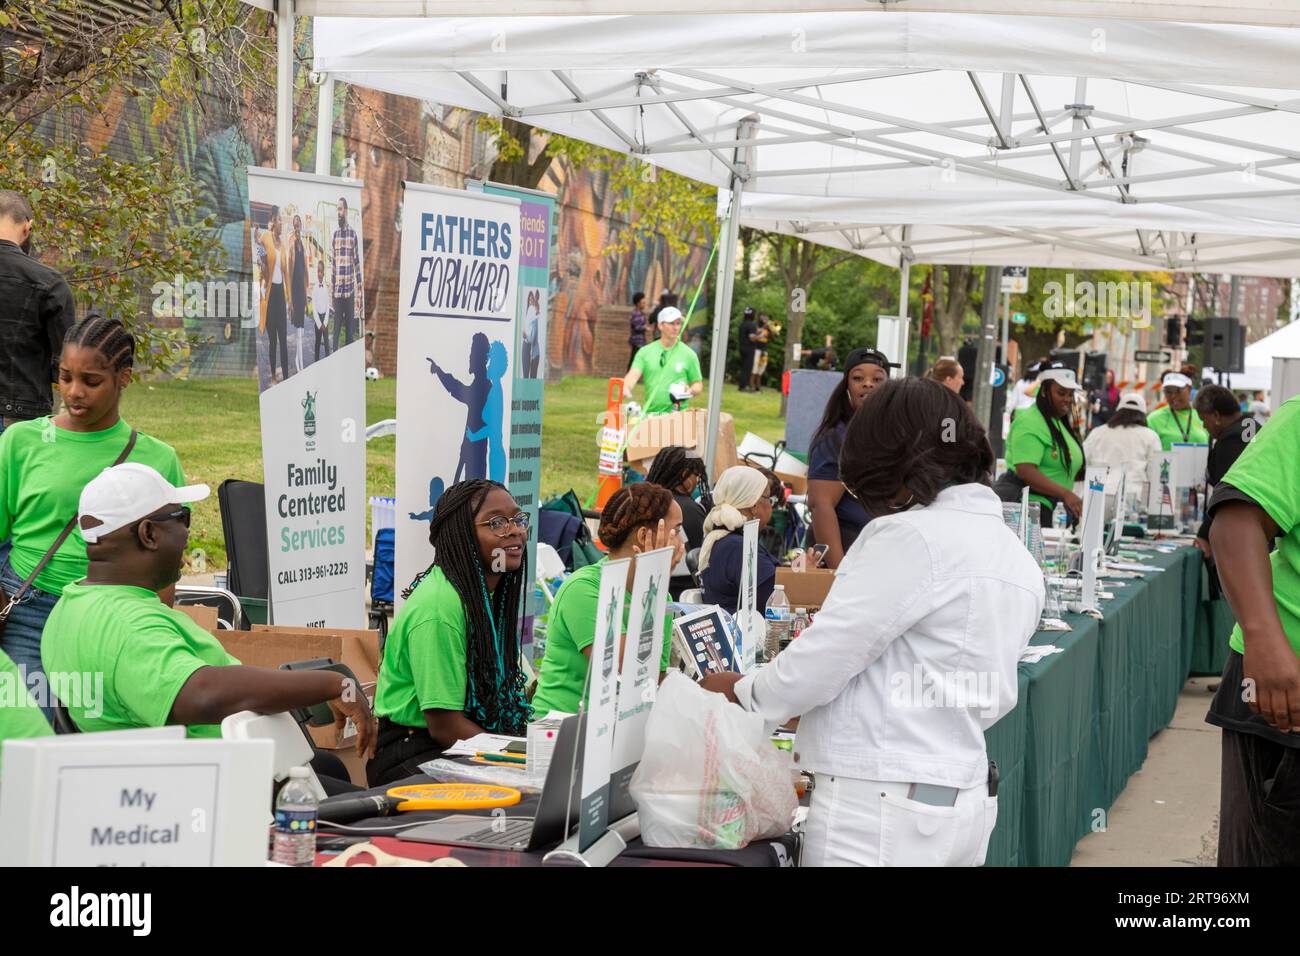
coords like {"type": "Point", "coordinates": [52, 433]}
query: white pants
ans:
{"type": "Point", "coordinates": [873, 823]}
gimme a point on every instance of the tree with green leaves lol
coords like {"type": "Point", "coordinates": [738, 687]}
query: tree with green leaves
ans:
{"type": "Point", "coordinates": [114, 225]}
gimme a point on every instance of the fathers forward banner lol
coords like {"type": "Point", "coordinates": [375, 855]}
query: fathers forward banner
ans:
{"type": "Point", "coordinates": [307, 271]}
{"type": "Point", "coordinates": [457, 306]}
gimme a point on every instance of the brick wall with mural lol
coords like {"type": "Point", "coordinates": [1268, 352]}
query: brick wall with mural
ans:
{"type": "Point", "coordinates": [385, 140]}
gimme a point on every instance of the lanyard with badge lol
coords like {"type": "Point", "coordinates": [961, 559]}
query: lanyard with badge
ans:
{"type": "Point", "coordinates": [1185, 432]}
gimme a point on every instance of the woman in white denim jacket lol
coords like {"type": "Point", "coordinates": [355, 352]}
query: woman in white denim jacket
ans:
{"type": "Point", "coordinates": [914, 652]}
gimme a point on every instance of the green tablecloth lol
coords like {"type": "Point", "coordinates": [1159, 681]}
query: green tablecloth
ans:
{"type": "Point", "coordinates": [1084, 717]}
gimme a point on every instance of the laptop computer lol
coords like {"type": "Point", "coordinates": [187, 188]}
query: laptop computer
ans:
{"type": "Point", "coordinates": [557, 809]}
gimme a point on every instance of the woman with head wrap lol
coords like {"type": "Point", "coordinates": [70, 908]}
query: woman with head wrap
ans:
{"type": "Point", "coordinates": [741, 494]}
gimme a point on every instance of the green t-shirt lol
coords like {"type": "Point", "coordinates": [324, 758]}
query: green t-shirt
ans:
{"type": "Point", "coordinates": [1030, 443]}
{"type": "Point", "coordinates": [660, 368]}
{"type": "Point", "coordinates": [425, 655]}
{"type": "Point", "coordinates": [19, 715]}
{"type": "Point", "coordinates": [1266, 471]}
{"type": "Point", "coordinates": [143, 651]}
{"type": "Point", "coordinates": [42, 472]}
{"type": "Point", "coordinates": [1174, 426]}
{"type": "Point", "coordinates": [571, 628]}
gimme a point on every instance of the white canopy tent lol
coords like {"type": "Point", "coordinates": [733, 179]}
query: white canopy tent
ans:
{"type": "Point", "coordinates": [1097, 141]}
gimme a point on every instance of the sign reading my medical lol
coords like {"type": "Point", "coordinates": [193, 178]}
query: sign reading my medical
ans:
{"type": "Point", "coordinates": [457, 314]}
{"type": "Point", "coordinates": [311, 361]}
{"type": "Point", "coordinates": [1015, 279]}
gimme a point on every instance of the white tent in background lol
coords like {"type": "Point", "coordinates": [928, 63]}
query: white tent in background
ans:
{"type": "Point", "coordinates": [1050, 116]}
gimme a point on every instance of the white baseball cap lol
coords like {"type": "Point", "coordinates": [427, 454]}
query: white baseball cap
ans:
{"type": "Point", "coordinates": [669, 314]}
{"type": "Point", "coordinates": [1061, 375]}
{"type": "Point", "coordinates": [1133, 400]}
{"type": "Point", "coordinates": [1176, 380]}
{"type": "Point", "coordinates": [125, 493]}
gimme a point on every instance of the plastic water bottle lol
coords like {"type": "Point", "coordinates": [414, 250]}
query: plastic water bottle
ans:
{"type": "Point", "coordinates": [778, 622]}
{"type": "Point", "coordinates": [1061, 522]}
{"type": "Point", "coordinates": [295, 821]}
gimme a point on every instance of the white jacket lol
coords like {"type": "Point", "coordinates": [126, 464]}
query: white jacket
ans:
{"type": "Point", "coordinates": [1130, 449]}
{"type": "Point", "coordinates": [914, 653]}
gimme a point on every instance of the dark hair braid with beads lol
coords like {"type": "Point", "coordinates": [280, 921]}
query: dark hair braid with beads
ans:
{"type": "Point", "coordinates": [109, 337]}
{"type": "Point", "coordinates": [673, 465]}
{"type": "Point", "coordinates": [494, 687]}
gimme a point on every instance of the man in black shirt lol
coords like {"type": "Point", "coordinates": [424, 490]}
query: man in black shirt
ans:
{"type": "Point", "coordinates": [36, 310]}
{"type": "Point", "coordinates": [1230, 432]}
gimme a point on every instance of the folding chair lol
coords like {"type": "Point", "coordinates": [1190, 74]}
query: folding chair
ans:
{"type": "Point", "coordinates": [243, 520]}
{"type": "Point", "coordinates": [230, 613]}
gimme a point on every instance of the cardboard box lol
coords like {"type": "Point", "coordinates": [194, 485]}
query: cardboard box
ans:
{"type": "Point", "coordinates": [204, 616]}
{"type": "Point", "coordinates": [798, 483]}
{"type": "Point", "coordinates": [269, 646]}
{"type": "Point", "coordinates": [688, 428]}
{"type": "Point", "coordinates": [807, 589]}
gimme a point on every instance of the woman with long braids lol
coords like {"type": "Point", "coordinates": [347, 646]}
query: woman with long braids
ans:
{"type": "Point", "coordinates": [44, 464]}
{"type": "Point", "coordinates": [1043, 448]}
{"type": "Point", "coordinates": [681, 471]}
{"type": "Point", "coordinates": [451, 664]}
{"type": "Point", "coordinates": [638, 518]}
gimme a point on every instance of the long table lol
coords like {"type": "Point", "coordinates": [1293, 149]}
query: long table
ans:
{"type": "Point", "coordinates": [1083, 717]}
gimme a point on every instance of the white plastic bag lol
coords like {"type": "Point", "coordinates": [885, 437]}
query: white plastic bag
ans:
{"type": "Point", "coordinates": [709, 777]}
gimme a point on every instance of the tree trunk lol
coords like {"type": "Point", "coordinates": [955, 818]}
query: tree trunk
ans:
{"type": "Point", "coordinates": [521, 172]}
{"type": "Point", "coordinates": [951, 308]}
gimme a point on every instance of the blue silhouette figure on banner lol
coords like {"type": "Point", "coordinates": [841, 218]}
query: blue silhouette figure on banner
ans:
{"type": "Point", "coordinates": [436, 488]}
{"type": "Point", "coordinates": [484, 401]}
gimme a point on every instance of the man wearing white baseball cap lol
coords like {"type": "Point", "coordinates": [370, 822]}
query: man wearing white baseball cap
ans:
{"type": "Point", "coordinates": [668, 366]}
{"type": "Point", "coordinates": [160, 667]}
{"type": "Point", "coordinates": [1176, 421]}
{"type": "Point", "coordinates": [1043, 448]}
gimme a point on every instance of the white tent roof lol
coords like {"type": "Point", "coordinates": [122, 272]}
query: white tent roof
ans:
{"type": "Point", "coordinates": [983, 229]}
{"type": "Point", "coordinates": [1278, 13]}
{"type": "Point", "coordinates": [910, 105]}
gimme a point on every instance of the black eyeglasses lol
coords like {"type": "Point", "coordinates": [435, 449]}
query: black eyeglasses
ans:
{"type": "Point", "coordinates": [182, 514]}
{"type": "Point", "coordinates": [500, 525]}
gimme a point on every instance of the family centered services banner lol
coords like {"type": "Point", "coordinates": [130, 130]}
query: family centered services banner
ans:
{"type": "Point", "coordinates": [457, 304]}
{"type": "Point", "coordinates": [307, 270]}
{"type": "Point", "coordinates": [536, 236]}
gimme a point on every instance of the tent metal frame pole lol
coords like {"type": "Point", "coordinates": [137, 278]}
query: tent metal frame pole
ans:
{"type": "Point", "coordinates": [325, 124]}
{"type": "Point", "coordinates": [983, 391]}
{"type": "Point", "coordinates": [284, 84]}
{"type": "Point", "coordinates": [904, 323]}
{"type": "Point", "coordinates": [722, 300]}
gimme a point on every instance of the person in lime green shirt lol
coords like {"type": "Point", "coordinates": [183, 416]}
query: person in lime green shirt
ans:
{"type": "Point", "coordinates": [1177, 421]}
{"type": "Point", "coordinates": [1256, 510]}
{"type": "Point", "coordinates": [451, 665]}
{"type": "Point", "coordinates": [46, 462]}
{"type": "Point", "coordinates": [665, 364]}
{"type": "Point", "coordinates": [637, 518]}
{"type": "Point", "coordinates": [20, 718]}
{"type": "Point", "coordinates": [119, 658]}
{"type": "Point", "coordinates": [1043, 447]}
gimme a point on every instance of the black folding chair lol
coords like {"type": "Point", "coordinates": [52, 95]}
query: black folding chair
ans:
{"type": "Point", "coordinates": [243, 520]}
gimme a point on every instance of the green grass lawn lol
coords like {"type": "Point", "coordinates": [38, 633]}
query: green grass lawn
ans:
{"type": "Point", "coordinates": [213, 425]}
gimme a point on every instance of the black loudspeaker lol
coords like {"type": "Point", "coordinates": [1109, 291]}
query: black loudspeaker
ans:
{"type": "Point", "coordinates": [966, 357]}
{"type": "Point", "coordinates": [1094, 371]}
{"type": "Point", "coordinates": [1174, 333]}
{"type": "Point", "coordinates": [1070, 358]}
{"type": "Point", "coordinates": [1225, 341]}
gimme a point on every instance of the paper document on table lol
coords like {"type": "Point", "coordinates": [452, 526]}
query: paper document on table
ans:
{"type": "Point", "coordinates": [1131, 566]}
{"type": "Point", "coordinates": [1054, 624]}
{"type": "Point", "coordinates": [1036, 652]}
{"type": "Point", "coordinates": [481, 743]}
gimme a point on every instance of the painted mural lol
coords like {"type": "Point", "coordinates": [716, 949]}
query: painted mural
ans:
{"type": "Point", "coordinates": [383, 140]}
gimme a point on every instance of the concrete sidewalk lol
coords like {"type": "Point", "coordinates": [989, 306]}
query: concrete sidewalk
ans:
{"type": "Point", "coordinates": [1168, 814]}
